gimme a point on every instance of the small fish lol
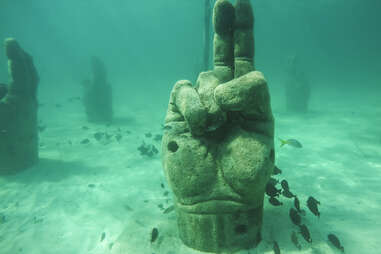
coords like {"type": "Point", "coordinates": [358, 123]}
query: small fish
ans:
{"type": "Point", "coordinates": [148, 135]}
{"type": "Point", "coordinates": [273, 181]}
{"type": "Point", "coordinates": [297, 206]}
{"type": "Point", "coordinates": [166, 193]}
{"type": "Point", "coordinates": [158, 137]}
{"type": "Point", "coordinates": [284, 185]}
{"type": "Point", "coordinates": [162, 185]}
{"type": "Point", "coordinates": [297, 203]}
{"type": "Point", "coordinates": [37, 220]}
{"type": "Point", "coordinates": [118, 137]}
{"type": "Point", "coordinates": [314, 200]}
{"type": "Point", "coordinates": [154, 235]}
{"type": "Point", "coordinates": [160, 206]}
{"type": "Point", "coordinates": [277, 171]}
{"type": "Point", "coordinates": [103, 236]}
{"type": "Point", "coordinates": [295, 241]}
{"type": "Point", "coordinates": [128, 208]}
{"type": "Point", "coordinates": [335, 241]}
{"type": "Point", "coordinates": [71, 99]}
{"type": "Point", "coordinates": [305, 233]}
{"type": "Point", "coordinates": [295, 217]}
{"type": "Point", "coordinates": [85, 141]}
{"type": "Point", "coordinates": [41, 128]}
{"type": "Point", "coordinates": [275, 202]}
{"type": "Point", "coordinates": [288, 194]}
{"type": "Point", "coordinates": [91, 185]}
{"type": "Point", "coordinates": [290, 142]}
{"type": "Point", "coordinates": [85, 128]}
{"type": "Point", "coordinates": [312, 204]}
{"type": "Point", "coordinates": [169, 209]}
{"type": "Point", "coordinates": [276, 248]}
{"type": "Point", "coordinates": [271, 190]}
{"type": "Point", "coordinates": [99, 135]}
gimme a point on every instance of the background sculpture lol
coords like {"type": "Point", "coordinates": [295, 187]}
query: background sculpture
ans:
{"type": "Point", "coordinates": [297, 89]}
{"type": "Point", "coordinates": [97, 94]}
{"type": "Point", "coordinates": [218, 147]}
{"type": "Point", "coordinates": [18, 111]}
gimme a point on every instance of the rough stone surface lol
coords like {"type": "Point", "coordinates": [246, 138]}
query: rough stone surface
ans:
{"type": "Point", "coordinates": [218, 145]}
{"type": "Point", "coordinates": [18, 112]}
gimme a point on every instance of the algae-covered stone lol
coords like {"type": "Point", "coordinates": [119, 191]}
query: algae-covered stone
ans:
{"type": "Point", "coordinates": [18, 111]}
{"type": "Point", "coordinates": [97, 94]}
{"type": "Point", "coordinates": [218, 144]}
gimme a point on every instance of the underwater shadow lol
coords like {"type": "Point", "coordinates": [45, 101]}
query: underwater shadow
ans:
{"type": "Point", "coordinates": [123, 121]}
{"type": "Point", "coordinates": [48, 170]}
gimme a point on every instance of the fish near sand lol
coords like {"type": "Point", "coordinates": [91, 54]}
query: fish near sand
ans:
{"type": "Point", "coordinates": [103, 236]}
{"type": "Point", "coordinates": [291, 142]}
{"type": "Point", "coordinates": [286, 189]}
{"type": "Point", "coordinates": [169, 209]}
{"type": "Point", "coordinates": [312, 204]}
{"type": "Point", "coordinates": [295, 217]}
{"type": "Point", "coordinates": [288, 194]}
{"type": "Point", "coordinates": [273, 181]}
{"type": "Point", "coordinates": [275, 202]}
{"type": "Point", "coordinates": [277, 171]}
{"type": "Point", "coordinates": [297, 206]}
{"type": "Point", "coordinates": [305, 233]}
{"type": "Point", "coordinates": [335, 241]}
{"type": "Point", "coordinates": [276, 248]}
{"type": "Point", "coordinates": [154, 234]}
{"type": "Point", "coordinates": [284, 185]}
{"type": "Point", "coordinates": [271, 190]}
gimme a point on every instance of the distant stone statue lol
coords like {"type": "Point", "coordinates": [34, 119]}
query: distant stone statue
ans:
{"type": "Point", "coordinates": [297, 87]}
{"type": "Point", "coordinates": [18, 111]}
{"type": "Point", "coordinates": [97, 94]}
{"type": "Point", "coordinates": [218, 145]}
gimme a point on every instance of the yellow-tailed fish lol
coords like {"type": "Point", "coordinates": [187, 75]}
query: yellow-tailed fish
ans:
{"type": "Point", "coordinates": [290, 142]}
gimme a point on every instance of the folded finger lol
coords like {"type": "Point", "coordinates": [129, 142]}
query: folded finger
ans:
{"type": "Point", "coordinates": [185, 105]}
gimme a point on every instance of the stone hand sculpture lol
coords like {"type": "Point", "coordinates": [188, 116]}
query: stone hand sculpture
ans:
{"type": "Point", "coordinates": [18, 111]}
{"type": "Point", "coordinates": [218, 144]}
{"type": "Point", "coordinates": [97, 94]}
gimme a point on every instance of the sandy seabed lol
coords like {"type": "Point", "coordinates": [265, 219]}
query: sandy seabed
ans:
{"type": "Point", "coordinates": [103, 196]}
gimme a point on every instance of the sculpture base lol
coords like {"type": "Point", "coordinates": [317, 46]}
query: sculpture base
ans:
{"type": "Point", "coordinates": [221, 232]}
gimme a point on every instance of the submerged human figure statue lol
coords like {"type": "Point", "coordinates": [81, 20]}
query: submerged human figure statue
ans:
{"type": "Point", "coordinates": [218, 145]}
{"type": "Point", "coordinates": [18, 111]}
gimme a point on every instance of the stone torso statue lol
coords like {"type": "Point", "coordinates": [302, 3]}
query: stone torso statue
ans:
{"type": "Point", "coordinates": [18, 112]}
